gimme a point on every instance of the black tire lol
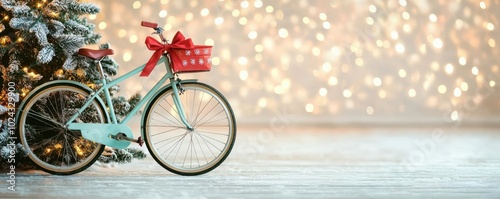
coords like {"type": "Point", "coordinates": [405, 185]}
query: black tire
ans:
{"type": "Point", "coordinates": [51, 146]}
{"type": "Point", "coordinates": [208, 145]}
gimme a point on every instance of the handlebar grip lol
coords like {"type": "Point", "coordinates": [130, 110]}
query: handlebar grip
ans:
{"type": "Point", "coordinates": [149, 24]}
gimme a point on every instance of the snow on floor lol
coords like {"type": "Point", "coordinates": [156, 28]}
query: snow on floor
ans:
{"type": "Point", "coordinates": [304, 162]}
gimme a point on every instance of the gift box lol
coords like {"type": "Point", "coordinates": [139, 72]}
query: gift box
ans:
{"type": "Point", "coordinates": [184, 55]}
{"type": "Point", "coordinates": [197, 59]}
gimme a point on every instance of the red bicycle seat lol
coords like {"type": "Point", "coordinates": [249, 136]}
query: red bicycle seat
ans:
{"type": "Point", "coordinates": [95, 54]}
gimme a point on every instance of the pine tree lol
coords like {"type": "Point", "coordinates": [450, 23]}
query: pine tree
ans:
{"type": "Point", "coordinates": [39, 40]}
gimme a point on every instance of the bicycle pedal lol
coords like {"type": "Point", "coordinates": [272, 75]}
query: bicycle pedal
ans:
{"type": "Point", "coordinates": [122, 136]}
{"type": "Point", "coordinates": [140, 141]}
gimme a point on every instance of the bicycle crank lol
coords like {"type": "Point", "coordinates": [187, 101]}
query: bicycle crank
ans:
{"type": "Point", "coordinates": [122, 136]}
{"type": "Point", "coordinates": [106, 134]}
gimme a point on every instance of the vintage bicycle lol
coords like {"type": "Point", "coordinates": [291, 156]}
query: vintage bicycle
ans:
{"type": "Point", "coordinates": [188, 127]}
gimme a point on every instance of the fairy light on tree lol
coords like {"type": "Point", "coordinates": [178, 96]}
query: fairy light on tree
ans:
{"type": "Point", "coordinates": [38, 41]}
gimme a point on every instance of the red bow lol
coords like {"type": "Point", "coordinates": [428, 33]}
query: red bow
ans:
{"type": "Point", "coordinates": [178, 42]}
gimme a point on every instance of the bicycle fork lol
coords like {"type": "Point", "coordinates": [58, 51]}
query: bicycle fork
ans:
{"type": "Point", "coordinates": [177, 102]}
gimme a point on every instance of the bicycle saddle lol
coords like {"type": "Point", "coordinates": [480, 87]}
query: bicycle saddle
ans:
{"type": "Point", "coordinates": [95, 54]}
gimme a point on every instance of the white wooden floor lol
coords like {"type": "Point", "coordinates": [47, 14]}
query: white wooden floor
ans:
{"type": "Point", "coordinates": [304, 162]}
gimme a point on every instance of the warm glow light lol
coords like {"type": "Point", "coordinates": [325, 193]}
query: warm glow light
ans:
{"type": "Point", "coordinates": [491, 43]}
{"type": "Point", "coordinates": [482, 5]}
{"type": "Point", "coordinates": [243, 75]}
{"type": "Point", "coordinates": [259, 48]}
{"type": "Point", "coordinates": [462, 61]}
{"type": "Point", "coordinates": [244, 4]}
{"type": "Point", "coordinates": [332, 81]}
{"type": "Point", "coordinates": [215, 61]}
{"type": "Point", "coordinates": [357, 58]}
{"type": "Point", "coordinates": [377, 82]}
{"type": "Point", "coordinates": [127, 57]}
{"type": "Point", "coordinates": [204, 12]}
{"type": "Point", "coordinates": [327, 67]}
{"type": "Point", "coordinates": [347, 93]}
{"type": "Point", "coordinates": [369, 20]}
{"type": "Point", "coordinates": [309, 108]}
{"type": "Point", "coordinates": [394, 35]}
{"type": "Point", "coordinates": [242, 60]}
{"type": "Point", "coordinates": [262, 102]}
{"type": "Point", "coordinates": [437, 43]}
{"type": "Point", "coordinates": [258, 4]}
{"type": "Point", "coordinates": [219, 20]}
{"type": "Point", "coordinates": [433, 18]}
{"type": "Point", "coordinates": [102, 25]}
{"type": "Point", "coordinates": [136, 5]}
{"type": "Point", "coordinates": [464, 86]}
{"type": "Point", "coordinates": [122, 33]}
{"type": "Point", "coordinates": [306, 20]}
{"type": "Point", "coordinates": [283, 33]}
{"type": "Point", "coordinates": [320, 37]}
{"type": "Point", "coordinates": [454, 116]}
{"type": "Point", "coordinates": [269, 9]}
{"type": "Point", "coordinates": [133, 39]}
{"type": "Point", "coordinates": [457, 92]}
{"type": "Point", "coordinates": [382, 94]}
{"type": "Point", "coordinates": [243, 21]}
{"type": "Point", "coordinates": [402, 73]}
{"type": "Point", "coordinates": [490, 26]}
{"type": "Point", "coordinates": [370, 110]}
{"type": "Point", "coordinates": [252, 35]}
{"type": "Point", "coordinates": [442, 89]}
{"type": "Point", "coordinates": [449, 69]}
{"type": "Point", "coordinates": [412, 93]}
{"type": "Point", "coordinates": [402, 3]}
{"type": "Point", "coordinates": [475, 70]}
{"type": "Point", "coordinates": [322, 16]}
{"type": "Point", "coordinates": [163, 13]}
{"type": "Point", "coordinates": [400, 48]}
{"type": "Point", "coordinates": [406, 15]}
{"type": "Point", "coordinates": [323, 92]}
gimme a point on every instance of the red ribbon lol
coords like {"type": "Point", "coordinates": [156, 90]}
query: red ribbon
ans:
{"type": "Point", "coordinates": [178, 42]}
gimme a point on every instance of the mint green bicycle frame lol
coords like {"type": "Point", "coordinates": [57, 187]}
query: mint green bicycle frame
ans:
{"type": "Point", "coordinates": [107, 85]}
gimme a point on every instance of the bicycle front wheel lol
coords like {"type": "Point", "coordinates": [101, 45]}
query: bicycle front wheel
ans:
{"type": "Point", "coordinates": [190, 152]}
{"type": "Point", "coordinates": [51, 146]}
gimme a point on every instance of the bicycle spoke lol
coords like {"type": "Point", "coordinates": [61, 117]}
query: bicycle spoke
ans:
{"type": "Point", "coordinates": [185, 151]}
{"type": "Point", "coordinates": [162, 121]}
{"type": "Point", "coordinates": [214, 133]}
{"type": "Point", "coordinates": [43, 132]}
{"type": "Point", "coordinates": [172, 138]}
{"type": "Point", "coordinates": [208, 121]}
{"type": "Point", "coordinates": [199, 113]}
{"type": "Point", "coordinates": [206, 144]}
{"type": "Point", "coordinates": [202, 135]}
{"type": "Point", "coordinates": [205, 115]}
{"type": "Point", "coordinates": [177, 119]}
{"type": "Point", "coordinates": [43, 117]}
{"type": "Point", "coordinates": [198, 141]}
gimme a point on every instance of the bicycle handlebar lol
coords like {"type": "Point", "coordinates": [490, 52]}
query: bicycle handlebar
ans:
{"type": "Point", "coordinates": [158, 29]}
{"type": "Point", "coordinates": [149, 24]}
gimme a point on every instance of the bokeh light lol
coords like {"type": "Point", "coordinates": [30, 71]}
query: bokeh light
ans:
{"type": "Point", "coordinates": [355, 60]}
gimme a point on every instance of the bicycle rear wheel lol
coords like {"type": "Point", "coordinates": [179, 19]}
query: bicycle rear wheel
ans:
{"type": "Point", "coordinates": [190, 152]}
{"type": "Point", "coordinates": [53, 147]}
